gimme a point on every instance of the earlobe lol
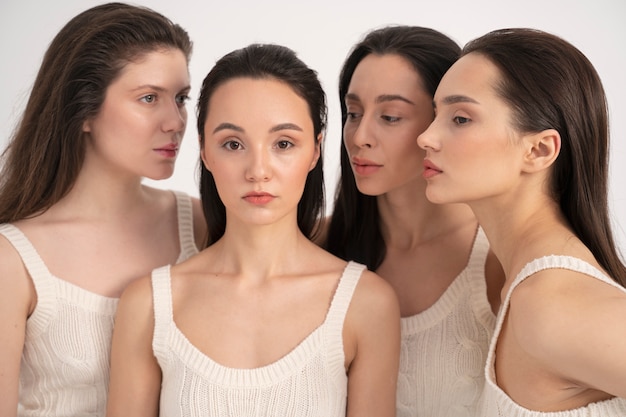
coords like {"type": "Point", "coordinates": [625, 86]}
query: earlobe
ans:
{"type": "Point", "coordinates": [87, 126]}
{"type": "Point", "coordinates": [543, 149]}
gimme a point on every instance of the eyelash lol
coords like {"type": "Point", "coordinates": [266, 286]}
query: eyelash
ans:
{"type": "Point", "coordinates": [460, 120]}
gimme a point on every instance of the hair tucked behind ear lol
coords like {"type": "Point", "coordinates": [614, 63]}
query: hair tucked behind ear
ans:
{"type": "Point", "coordinates": [259, 61]}
{"type": "Point", "coordinates": [47, 150]}
{"type": "Point", "coordinates": [550, 84]}
{"type": "Point", "coordinates": [354, 230]}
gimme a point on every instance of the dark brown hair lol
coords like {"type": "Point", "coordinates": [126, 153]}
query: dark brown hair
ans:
{"type": "Point", "coordinates": [550, 84]}
{"type": "Point", "coordinates": [354, 230]}
{"type": "Point", "coordinates": [258, 61]}
{"type": "Point", "coordinates": [47, 149]}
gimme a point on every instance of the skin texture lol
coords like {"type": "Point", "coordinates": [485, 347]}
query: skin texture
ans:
{"type": "Point", "coordinates": [428, 244]}
{"type": "Point", "coordinates": [561, 346]}
{"type": "Point", "coordinates": [136, 226]}
{"type": "Point", "coordinates": [264, 284]}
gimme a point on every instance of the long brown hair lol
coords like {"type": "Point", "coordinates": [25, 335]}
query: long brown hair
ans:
{"type": "Point", "coordinates": [550, 84]}
{"type": "Point", "coordinates": [46, 152]}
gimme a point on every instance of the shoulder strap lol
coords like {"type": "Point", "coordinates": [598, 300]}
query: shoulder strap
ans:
{"type": "Point", "coordinates": [162, 302]}
{"type": "Point", "coordinates": [39, 274]}
{"type": "Point", "coordinates": [186, 238]}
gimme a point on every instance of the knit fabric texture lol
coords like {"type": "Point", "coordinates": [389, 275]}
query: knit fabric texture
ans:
{"type": "Point", "coordinates": [494, 401]}
{"type": "Point", "coordinates": [65, 362]}
{"type": "Point", "coordinates": [309, 381]}
{"type": "Point", "coordinates": [444, 348]}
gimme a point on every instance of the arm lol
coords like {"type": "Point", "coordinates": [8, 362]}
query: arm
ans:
{"type": "Point", "coordinates": [574, 324]}
{"type": "Point", "coordinates": [17, 300]}
{"type": "Point", "coordinates": [372, 338]}
{"type": "Point", "coordinates": [135, 383]}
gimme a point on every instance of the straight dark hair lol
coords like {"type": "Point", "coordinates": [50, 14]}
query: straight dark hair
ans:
{"type": "Point", "coordinates": [354, 229]}
{"type": "Point", "coordinates": [258, 61]}
{"type": "Point", "coordinates": [47, 150]}
{"type": "Point", "coordinates": [550, 84]}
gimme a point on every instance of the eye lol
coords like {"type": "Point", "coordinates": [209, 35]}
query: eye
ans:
{"type": "Point", "coordinates": [460, 120]}
{"type": "Point", "coordinates": [284, 144]}
{"type": "Point", "coordinates": [390, 119]}
{"type": "Point", "coordinates": [353, 115]}
{"type": "Point", "coordinates": [149, 98]}
{"type": "Point", "coordinates": [232, 145]}
{"type": "Point", "coordinates": [182, 99]}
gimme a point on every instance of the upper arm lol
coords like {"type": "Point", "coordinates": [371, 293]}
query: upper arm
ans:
{"type": "Point", "coordinates": [373, 324]}
{"type": "Point", "coordinates": [17, 300]}
{"type": "Point", "coordinates": [199, 223]}
{"type": "Point", "coordinates": [135, 381]}
{"type": "Point", "coordinates": [574, 324]}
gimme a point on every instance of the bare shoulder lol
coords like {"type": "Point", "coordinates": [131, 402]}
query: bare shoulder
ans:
{"type": "Point", "coordinates": [555, 307]}
{"type": "Point", "coordinates": [136, 300]}
{"type": "Point", "coordinates": [374, 297]}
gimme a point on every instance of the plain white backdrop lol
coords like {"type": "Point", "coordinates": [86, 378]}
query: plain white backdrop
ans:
{"type": "Point", "coordinates": [322, 33]}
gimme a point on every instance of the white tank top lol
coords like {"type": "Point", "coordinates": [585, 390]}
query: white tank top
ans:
{"type": "Point", "coordinates": [310, 381]}
{"type": "Point", "coordinates": [494, 401]}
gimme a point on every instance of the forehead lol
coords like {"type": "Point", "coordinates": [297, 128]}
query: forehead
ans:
{"type": "Point", "coordinates": [385, 70]}
{"type": "Point", "coordinates": [250, 100]}
{"type": "Point", "coordinates": [473, 75]}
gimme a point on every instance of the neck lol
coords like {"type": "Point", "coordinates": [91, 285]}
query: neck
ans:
{"type": "Point", "coordinates": [408, 219]}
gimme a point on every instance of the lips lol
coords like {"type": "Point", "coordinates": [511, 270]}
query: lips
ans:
{"type": "Point", "coordinates": [365, 166]}
{"type": "Point", "coordinates": [430, 169]}
{"type": "Point", "coordinates": [258, 198]}
{"type": "Point", "coordinates": [168, 151]}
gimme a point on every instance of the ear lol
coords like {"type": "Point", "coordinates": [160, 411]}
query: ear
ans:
{"type": "Point", "coordinates": [318, 151]}
{"type": "Point", "coordinates": [87, 126]}
{"type": "Point", "coordinates": [202, 154]}
{"type": "Point", "coordinates": [542, 149]}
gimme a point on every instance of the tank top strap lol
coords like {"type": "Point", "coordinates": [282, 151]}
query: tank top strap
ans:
{"type": "Point", "coordinates": [186, 238]}
{"type": "Point", "coordinates": [480, 249]}
{"type": "Point", "coordinates": [338, 309]}
{"type": "Point", "coordinates": [40, 275]}
{"type": "Point", "coordinates": [562, 262]}
{"type": "Point", "coordinates": [162, 304]}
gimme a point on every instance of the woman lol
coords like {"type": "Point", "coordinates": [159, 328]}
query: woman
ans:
{"type": "Point", "coordinates": [521, 135]}
{"type": "Point", "coordinates": [263, 322]}
{"type": "Point", "coordinates": [107, 108]}
{"type": "Point", "coordinates": [435, 257]}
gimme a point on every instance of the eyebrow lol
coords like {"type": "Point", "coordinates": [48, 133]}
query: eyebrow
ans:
{"type": "Point", "coordinates": [277, 128]}
{"type": "Point", "coordinates": [456, 99]}
{"type": "Point", "coordinates": [158, 88]}
{"type": "Point", "coordinates": [382, 98]}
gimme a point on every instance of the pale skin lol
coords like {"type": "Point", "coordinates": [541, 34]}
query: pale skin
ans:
{"type": "Point", "coordinates": [562, 345]}
{"type": "Point", "coordinates": [428, 245]}
{"type": "Point", "coordinates": [264, 284]}
{"type": "Point", "coordinates": [109, 229]}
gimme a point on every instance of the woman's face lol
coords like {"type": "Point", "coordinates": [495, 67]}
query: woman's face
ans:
{"type": "Point", "coordinates": [472, 150]}
{"type": "Point", "coordinates": [260, 146]}
{"type": "Point", "coordinates": [388, 107]}
{"type": "Point", "coordinates": [140, 126]}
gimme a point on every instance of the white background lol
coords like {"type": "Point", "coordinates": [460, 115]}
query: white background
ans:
{"type": "Point", "coordinates": [322, 33]}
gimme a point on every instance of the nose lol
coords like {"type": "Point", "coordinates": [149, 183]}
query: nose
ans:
{"type": "Point", "coordinates": [426, 140]}
{"type": "Point", "coordinates": [175, 117]}
{"type": "Point", "coordinates": [360, 133]}
{"type": "Point", "coordinates": [259, 167]}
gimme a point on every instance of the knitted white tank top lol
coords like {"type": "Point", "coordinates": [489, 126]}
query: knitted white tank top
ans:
{"type": "Point", "coordinates": [494, 401]}
{"type": "Point", "coordinates": [310, 381]}
{"type": "Point", "coordinates": [65, 362]}
{"type": "Point", "coordinates": [444, 348]}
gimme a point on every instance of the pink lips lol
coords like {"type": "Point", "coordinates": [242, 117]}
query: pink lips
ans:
{"type": "Point", "coordinates": [258, 198]}
{"type": "Point", "coordinates": [430, 169]}
{"type": "Point", "coordinates": [364, 166]}
{"type": "Point", "coordinates": [168, 151]}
